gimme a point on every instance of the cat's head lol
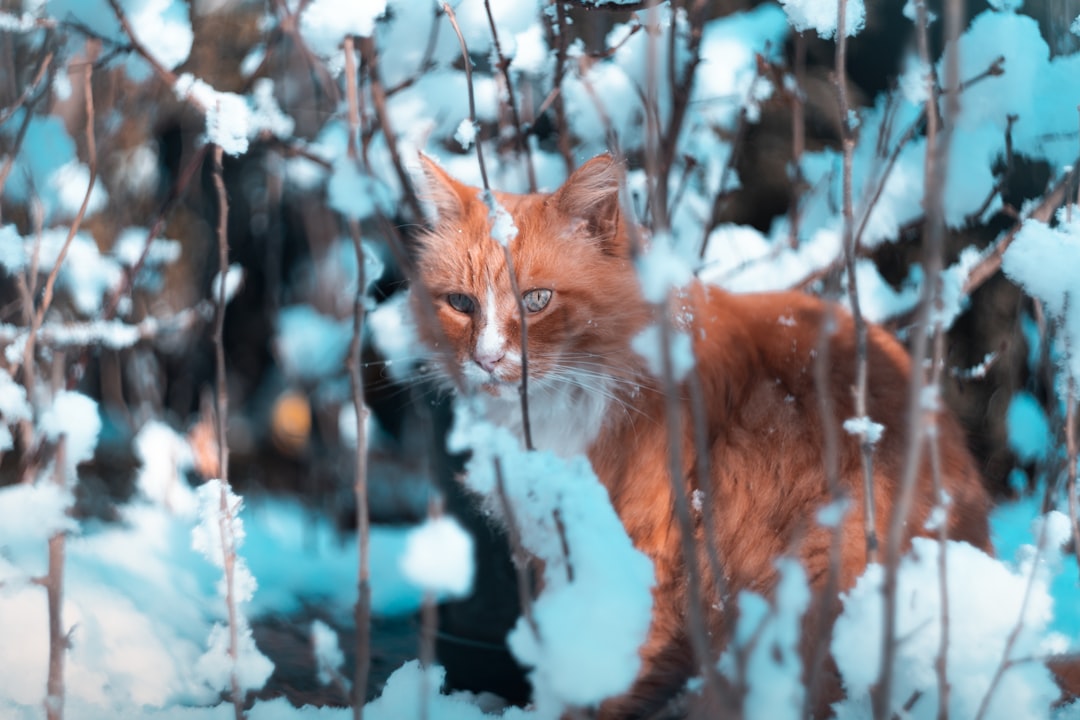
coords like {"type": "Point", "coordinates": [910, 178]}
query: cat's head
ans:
{"type": "Point", "coordinates": [571, 258]}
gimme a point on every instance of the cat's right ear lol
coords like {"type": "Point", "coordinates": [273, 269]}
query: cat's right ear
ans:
{"type": "Point", "coordinates": [446, 194]}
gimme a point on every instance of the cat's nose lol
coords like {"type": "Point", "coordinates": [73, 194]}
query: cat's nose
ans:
{"type": "Point", "coordinates": [488, 359]}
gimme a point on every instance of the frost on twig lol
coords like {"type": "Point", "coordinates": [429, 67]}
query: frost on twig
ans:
{"type": "Point", "coordinates": [232, 662]}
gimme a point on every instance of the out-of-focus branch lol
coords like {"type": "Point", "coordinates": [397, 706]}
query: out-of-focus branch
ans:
{"type": "Point", "coordinates": [504, 67]}
{"type": "Point", "coordinates": [92, 49]}
{"type": "Point", "coordinates": [24, 98]}
{"type": "Point", "coordinates": [370, 58]}
{"type": "Point", "coordinates": [936, 172]}
{"type": "Point", "coordinates": [362, 611]}
{"type": "Point", "coordinates": [674, 407]}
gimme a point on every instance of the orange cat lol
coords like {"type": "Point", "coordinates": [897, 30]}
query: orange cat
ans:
{"type": "Point", "coordinates": [590, 392]}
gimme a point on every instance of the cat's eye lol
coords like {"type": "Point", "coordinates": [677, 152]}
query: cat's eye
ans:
{"type": "Point", "coordinates": [461, 302]}
{"type": "Point", "coordinates": [536, 300]}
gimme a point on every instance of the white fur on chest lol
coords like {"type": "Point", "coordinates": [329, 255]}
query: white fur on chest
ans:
{"type": "Point", "coordinates": [564, 417]}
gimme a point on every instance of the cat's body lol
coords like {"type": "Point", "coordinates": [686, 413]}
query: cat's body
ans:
{"type": "Point", "coordinates": [755, 360]}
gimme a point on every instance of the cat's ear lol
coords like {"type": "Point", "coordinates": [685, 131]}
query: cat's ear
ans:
{"type": "Point", "coordinates": [591, 196]}
{"type": "Point", "coordinates": [447, 195]}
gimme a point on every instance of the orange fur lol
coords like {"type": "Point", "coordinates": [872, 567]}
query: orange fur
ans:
{"type": "Point", "coordinates": [755, 359]}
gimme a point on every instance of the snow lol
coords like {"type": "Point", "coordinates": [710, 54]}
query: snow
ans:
{"type": "Point", "coordinates": [985, 602]}
{"type": "Point", "coordinates": [1029, 432]}
{"type": "Point", "coordinates": [165, 456]}
{"type": "Point", "coordinates": [328, 655]}
{"type": "Point", "coordinates": [311, 345]}
{"type": "Point", "coordinates": [662, 269]}
{"type": "Point", "coordinates": [466, 134]}
{"type": "Point", "coordinates": [648, 344]}
{"type": "Point", "coordinates": [823, 16]}
{"type": "Point", "coordinates": [503, 230]}
{"type": "Point", "coordinates": [765, 650]}
{"type": "Point", "coordinates": [439, 557]}
{"type": "Point", "coordinates": [588, 627]}
{"type": "Point", "coordinates": [74, 417]}
{"type": "Point", "coordinates": [1042, 259]}
{"type": "Point", "coordinates": [325, 23]}
{"type": "Point", "coordinates": [144, 609]}
{"type": "Point", "coordinates": [865, 429]}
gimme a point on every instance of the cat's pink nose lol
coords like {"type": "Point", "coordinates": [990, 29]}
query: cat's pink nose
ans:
{"type": "Point", "coordinates": [488, 359]}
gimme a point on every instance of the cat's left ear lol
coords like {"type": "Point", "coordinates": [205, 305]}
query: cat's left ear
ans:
{"type": "Point", "coordinates": [591, 195]}
{"type": "Point", "coordinates": [447, 194]}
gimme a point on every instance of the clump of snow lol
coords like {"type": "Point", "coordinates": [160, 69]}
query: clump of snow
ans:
{"type": "Point", "coordinates": [589, 628]}
{"type": "Point", "coordinates": [413, 687]}
{"type": "Point", "coordinates": [766, 647]}
{"type": "Point", "coordinates": [649, 345]}
{"type": "Point", "coordinates": [1028, 430]}
{"type": "Point", "coordinates": [864, 428]}
{"type": "Point", "coordinates": [328, 655]}
{"type": "Point", "coordinates": [503, 229]}
{"type": "Point", "coordinates": [130, 243]}
{"type": "Point", "coordinates": [266, 114]}
{"type": "Point", "coordinates": [662, 269]}
{"type": "Point", "coordinates": [74, 417]}
{"type": "Point", "coordinates": [311, 345]}
{"type": "Point", "coordinates": [394, 332]}
{"type": "Point", "coordinates": [439, 557]}
{"type": "Point", "coordinates": [13, 407]}
{"type": "Point", "coordinates": [355, 193]}
{"type": "Point", "coordinates": [34, 511]}
{"type": "Point", "coordinates": [325, 23]}
{"type": "Point", "coordinates": [220, 531]}
{"type": "Point", "coordinates": [234, 278]}
{"type": "Point", "coordinates": [823, 16]}
{"type": "Point", "coordinates": [466, 133]}
{"type": "Point", "coordinates": [228, 116]}
{"type": "Point", "coordinates": [1042, 259]}
{"type": "Point", "coordinates": [985, 601]}
{"type": "Point", "coordinates": [166, 456]}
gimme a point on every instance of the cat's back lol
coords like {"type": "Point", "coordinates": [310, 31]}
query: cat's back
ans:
{"type": "Point", "coordinates": [779, 371]}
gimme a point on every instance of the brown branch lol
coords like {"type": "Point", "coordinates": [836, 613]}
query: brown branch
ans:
{"type": "Point", "coordinates": [24, 97]}
{"type": "Point", "coordinates": [698, 629]}
{"type": "Point", "coordinates": [504, 67]}
{"type": "Point", "coordinates": [92, 49]}
{"type": "Point", "coordinates": [558, 31]}
{"type": "Point", "coordinates": [221, 408]}
{"type": "Point", "coordinates": [936, 172]}
{"type": "Point", "coordinates": [54, 590]}
{"type": "Point", "coordinates": [362, 610]}
{"type": "Point", "coordinates": [370, 57]}
{"type": "Point", "coordinates": [862, 359]}
{"type": "Point", "coordinates": [1010, 641]}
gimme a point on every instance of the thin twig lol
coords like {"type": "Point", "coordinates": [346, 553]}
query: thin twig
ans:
{"type": "Point", "coordinates": [54, 589]}
{"type": "Point", "coordinates": [862, 358]}
{"type": "Point", "coordinates": [936, 172]}
{"type": "Point", "coordinates": [698, 629]}
{"type": "Point", "coordinates": [518, 553]}
{"type": "Point", "coordinates": [92, 49]}
{"type": "Point", "coordinates": [504, 68]}
{"type": "Point", "coordinates": [370, 57]}
{"type": "Point", "coordinates": [362, 611]}
{"type": "Point", "coordinates": [221, 408]}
